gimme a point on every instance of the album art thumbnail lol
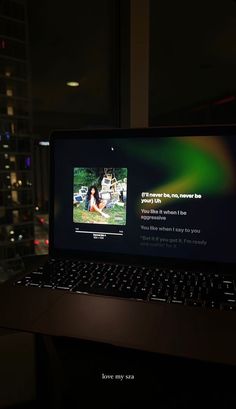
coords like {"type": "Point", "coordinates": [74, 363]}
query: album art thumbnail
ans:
{"type": "Point", "coordinates": [100, 195]}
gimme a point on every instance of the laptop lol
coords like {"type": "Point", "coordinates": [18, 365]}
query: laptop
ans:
{"type": "Point", "coordinates": [143, 214]}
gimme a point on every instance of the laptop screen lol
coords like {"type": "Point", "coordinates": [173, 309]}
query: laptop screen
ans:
{"type": "Point", "coordinates": [150, 192]}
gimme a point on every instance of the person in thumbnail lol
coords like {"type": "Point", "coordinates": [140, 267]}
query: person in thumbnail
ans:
{"type": "Point", "coordinates": [93, 203]}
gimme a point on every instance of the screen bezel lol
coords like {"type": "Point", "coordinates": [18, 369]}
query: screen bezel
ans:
{"type": "Point", "coordinates": [154, 132]}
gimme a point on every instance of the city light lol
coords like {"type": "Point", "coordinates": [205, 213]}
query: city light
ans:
{"type": "Point", "coordinates": [9, 92]}
{"type": "Point", "coordinates": [15, 139]}
{"type": "Point", "coordinates": [44, 143]}
{"type": "Point", "coordinates": [72, 84]}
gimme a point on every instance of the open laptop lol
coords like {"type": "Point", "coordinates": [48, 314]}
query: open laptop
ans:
{"type": "Point", "coordinates": [144, 214]}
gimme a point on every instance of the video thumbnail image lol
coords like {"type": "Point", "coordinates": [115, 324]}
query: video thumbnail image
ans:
{"type": "Point", "coordinates": [100, 195]}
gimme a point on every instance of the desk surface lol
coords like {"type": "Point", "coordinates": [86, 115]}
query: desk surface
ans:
{"type": "Point", "coordinates": [163, 328]}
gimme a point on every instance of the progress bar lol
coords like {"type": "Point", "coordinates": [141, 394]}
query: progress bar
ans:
{"type": "Point", "coordinates": [99, 232]}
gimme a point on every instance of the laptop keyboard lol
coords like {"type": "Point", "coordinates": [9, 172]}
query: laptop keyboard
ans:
{"type": "Point", "coordinates": [214, 291]}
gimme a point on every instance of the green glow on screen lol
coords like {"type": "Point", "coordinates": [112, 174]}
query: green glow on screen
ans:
{"type": "Point", "coordinates": [192, 165]}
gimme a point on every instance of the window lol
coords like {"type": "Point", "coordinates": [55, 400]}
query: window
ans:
{"type": "Point", "coordinates": [9, 92]}
{"type": "Point", "coordinates": [192, 62]}
{"type": "Point", "coordinates": [65, 44]}
{"type": "Point", "coordinates": [11, 28]}
{"type": "Point", "coordinates": [12, 9]}
{"type": "Point", "coordinates": [10, 110]}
